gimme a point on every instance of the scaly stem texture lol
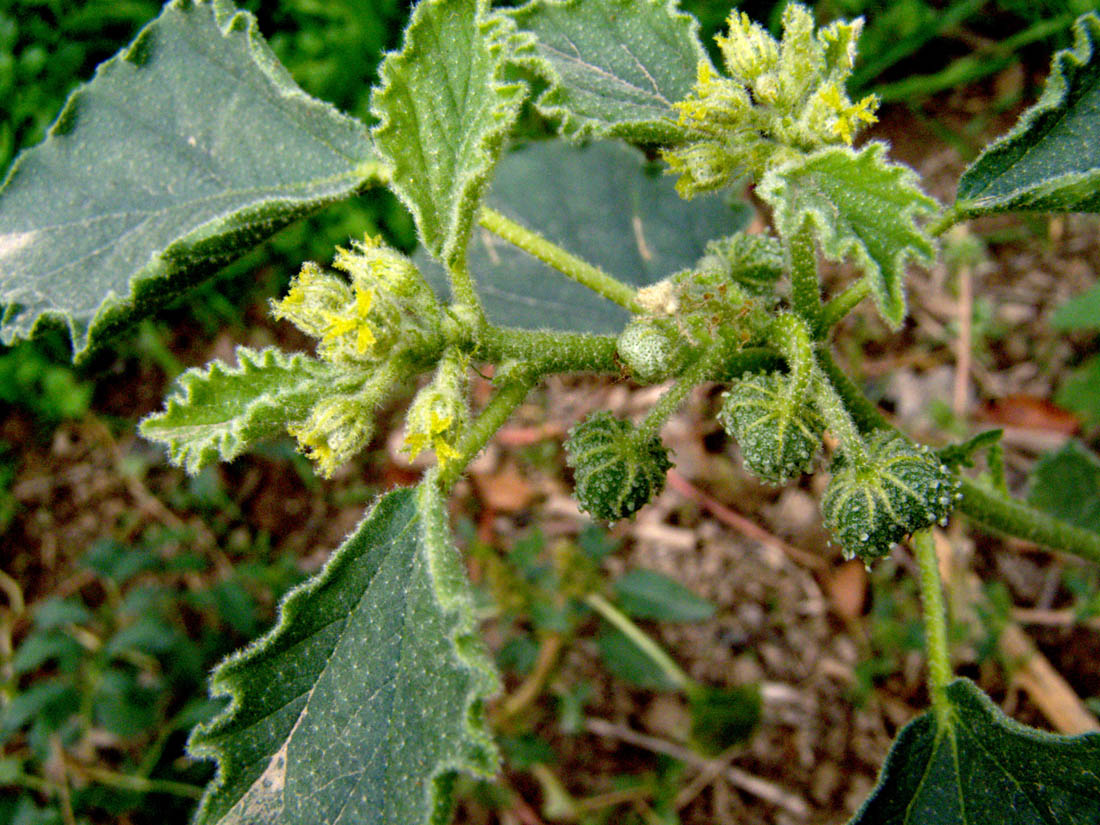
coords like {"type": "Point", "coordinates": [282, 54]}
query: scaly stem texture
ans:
{"type": "Point", "coordinates": [553, 255]}
{"type": "Point", "coordinates": [935, 621]}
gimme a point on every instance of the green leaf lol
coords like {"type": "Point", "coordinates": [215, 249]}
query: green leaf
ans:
{"type": "Point", "coordinates": [860, 205]}
{"type": "Point", "coordinates": [978, 766]}
{"type": "Point", "coordinates": [1081, 312]}
{"type": "Point", "coordinates": [188, 147]}
{"type": "Point", "coordinates": [1066, 484]}
{"type": "Point", "coordinates": [445, 111]}
{"type": "Point", "coordinates": [1050, 161]}
{"type": "Point", "coordinates": [366, 698]}
{"type": "Point", "coordinates": [600, 203]}
{"type": "Point", "coordinates": [220, 411]}
{"type": "Point", "coordinates": [623, 658]}
{"type": "Point", "coordinates": [615, 67]}
{"type": "Point", "coordinates": [647, 594]}
{"type": "Point", "coordinates": [1081, 391]}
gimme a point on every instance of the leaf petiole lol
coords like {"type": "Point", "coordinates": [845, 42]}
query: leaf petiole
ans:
{"type": "Point", "coordinates": [554, 256]}
{"type": "Point", "coordinates": [935, 622]}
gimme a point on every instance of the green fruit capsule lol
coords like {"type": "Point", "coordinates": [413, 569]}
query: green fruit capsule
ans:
{"type": "Point", "coordinates": [753, 261]}
{"type": "Point", "coordinates": [652, 349]}
{"type": "Point", "coordinates": [779, 434]}
{"type": "Point", "coordinates": [616, 472]}
{"type": "Point", "coordinates": [900, 489]}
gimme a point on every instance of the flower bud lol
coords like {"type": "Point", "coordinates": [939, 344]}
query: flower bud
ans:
{"type": "Point", "coordinates": [652, 349]}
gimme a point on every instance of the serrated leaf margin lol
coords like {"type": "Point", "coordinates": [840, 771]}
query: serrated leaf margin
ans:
{"type": "Point", "coordinates": [159, 279]}
{"type": "Point", "coordinates": [553, 103]}
{"type": "Point", "coordinates": [1005, 151]}
{"type": "Point", "coordinates": [501, 40]}
{"type": "Point", "coordinates": [775, 189]}
{"type": "Point", "coordinates": [235, 438]}
{"type": "Point", "coordinates": [452, 591]}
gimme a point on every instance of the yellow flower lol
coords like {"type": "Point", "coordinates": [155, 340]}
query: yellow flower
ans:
{"type": "Point", "coordinates": [848, 114]}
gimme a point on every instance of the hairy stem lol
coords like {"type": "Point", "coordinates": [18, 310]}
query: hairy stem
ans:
{"type": "Point", "coordinates": [640, 640]}
{"type": "Point", "coordinates": [935, 621]}
{"type": "Point", "coordinates": [830, 403]}
{"type": "Point", "coordinates": [462, 286]}
{"type": "Point", "coordinates": [945, 221]}
{"type": "Point", "coordinates": [552, 351]}
{"type": "Point", "coordinates": [492, 418]}
{"type": "Point", "coordinates": [553, 255]}
{"type": "Point", "coordinates": [792, 336]}
{"type": "Point", "coordinates": [1013, 518]}
{"type": "Point", "coordinates": [842, 304]}
{"type": "Point", "coordinates": [865, 414]}
{"type": "Point", "coordinates": [752, 359]}
{"type": "Point", "coordinates": [702, 369]}
{"type": "Point", "coordinates": [801, 253]}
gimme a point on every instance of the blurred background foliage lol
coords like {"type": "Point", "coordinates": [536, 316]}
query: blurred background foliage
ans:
{"type": "Point", "coordinates": [102, 672]}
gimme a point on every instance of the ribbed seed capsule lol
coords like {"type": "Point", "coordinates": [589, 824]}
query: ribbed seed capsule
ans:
{"type": "Point", "coordinates": [616, 473]}
{"type": "Point", "coordinates": [900, 489]}
{"type": "Point", "coordinates": [779, 434]}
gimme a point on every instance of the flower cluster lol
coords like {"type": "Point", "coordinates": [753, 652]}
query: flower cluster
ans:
{"type": "Point", "coordinates": [781, 98]}
{"type": "Point", "coordinates": [382, 304]}
{"type": "Point", "coordinates": [439, 413]}
{"type": "Point", "coordinates": [371, 321]}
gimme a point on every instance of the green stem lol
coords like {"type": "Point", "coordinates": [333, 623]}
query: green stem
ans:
{"type": "Point", "coordinates": [945, 221]}
{"type": "Point", "coordinates": [141, 784]}
{"type": "Point", "coordinates": [791, 334]}
{"type": "Point", "coordinates": [844, 303]}
{"type": "Point", "coordinates": [865, 414]}
{"type": "Point", "coordinates": [935, 621]}
{"type": "Point", "coordinates": [830, 403]}
{"type": "Point", "coordinates": [553, 351]}
{"type": "Point", "coordinates": [802, 263]}
{"type": "Point", "coordinates": [553, 255]}
{"type": "Point", "coordinates": [492, 418]}
{"type": "Point", "coordinates": [702, 369]}
{"type": "Point", "coordinates": [750, 360]}
{"type": "Point", "coordinates": [637, 636]}
{"type": "Point", "coordinates": [463, 290]}
{"type": "Point", "coordinates": [1010, 517]}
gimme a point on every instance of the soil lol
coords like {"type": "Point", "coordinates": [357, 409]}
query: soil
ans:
{"type": "Point", "coordinates": [825, 640]}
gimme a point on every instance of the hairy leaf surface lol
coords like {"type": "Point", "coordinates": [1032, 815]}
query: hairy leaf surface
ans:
{"type": "Point", "coordinates": [859, 205]}
{"type": "Point", "coordinates": [1050, 161]}
{"type": "Point", "coordinates": [185, 149]}
{"type": "Point", "coordinates": [365, 699]}
{"type": "Point", "coordinates": [220, 411]}
{"type": "Point", "coordinates": [979, 767]}
{"type": "Point", "coordinates": [615, 67]}
{"type": "Point", "coordinates": [600, 203]}
{"type": "Point", "coordinates": [445, 111]}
